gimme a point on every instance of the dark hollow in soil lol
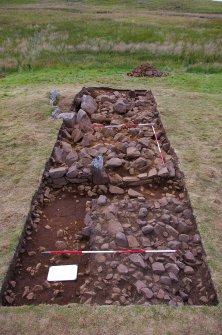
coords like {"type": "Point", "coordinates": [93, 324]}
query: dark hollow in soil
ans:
{"type": "Point", "coordinates": [137, 202]}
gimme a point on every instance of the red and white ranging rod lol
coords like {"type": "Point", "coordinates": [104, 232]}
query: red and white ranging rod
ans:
{"type": "Point", "coordinates": [158, 145]}
{"type": "Point", "coordinates": [126, 251]}
{"type": "Point", "coordinates": [127, 125]}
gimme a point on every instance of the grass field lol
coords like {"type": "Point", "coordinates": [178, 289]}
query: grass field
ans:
{"type": "Point", "coordinates": [67, 45]}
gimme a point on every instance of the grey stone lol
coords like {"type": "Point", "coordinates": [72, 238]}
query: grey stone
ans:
{"type": "Point", "coordinates": [120, 107]}
{"type": "Point", "coordinates": [152, 173]}
{"type": "Point", "coordinates": [189, 257]}
{"type": "Point", "coordinates": [102, 200]}
{"type": "Point", "coordinates": [147, 292]}
{"type": "Point", "coordinates": [69, 119]}
{"type": "Point", "coordinates": [163, 172]}
{"type": "Point", "coordinates": [171, 231]}
{"type": "Point", "coordinates": [114, 162]}
{"type": "Point", "coordinates": [144, 141]}
{"type": "Point", "coordinates": [83, 120]}
{"type": "Point", "coordinates": [114, 227]}
{"type": "Point", "coordinates": [165, 280]}
{"type": "Point", "coordinates": [115, 189]}
{"type": "Point", "coordinates": [71, 158]}
{"type": "Point", "coordinates": [143, 212]}
{"type": "Point", "coordinates": [122, 269]}
{"type": "Point", "coordinates": [139, 285]}
{"type": "Point", "coordinates": [58, 172]}
{"type": "Point", "coordinates": [59, 155]}
{"type": "Point", "coordinates": [133, 243]}
{"type": "Point", "coordinates": [134, 194]}
{"type": "Point", "coordinates": [182, 227]}
{"type": "Point", "coordinates": [165, 218]}
{"type": "Point", "coordinates": [72, 172]}
{"type": "Point", "coordinates": [158, 268]}
{"type": "Point", "coordinates": [147, 229]}
{"type": "Point", "coordinates": [171, 267]}
{"type": "Point", "coordinates": [77, 135]}
{"type": "Point", "coordinates": [132, 152]}
{"type": "Point", "coordinates": [139, 163]}
{"type": "Point", "coordinates": [138, 260]}
{"type": "Point", "coordinates": [158, 229]}
{"type": "Point", "coordinates": [88, 104]}
{"type": "Point", "coordinates": [174, 244]}
{"type": "Point", "coordinates": [66, 146]}
{"type": "Point", "coordinates": [121, 240]}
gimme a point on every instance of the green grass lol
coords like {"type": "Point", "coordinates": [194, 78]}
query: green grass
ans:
{"type": "Point", "coordinates": [46, 37]}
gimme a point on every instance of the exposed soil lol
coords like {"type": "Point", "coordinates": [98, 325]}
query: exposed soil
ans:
{"type": "Point", "coordinates": [137, 202]}
{"type": "Point", "coordinates": [146, 70]}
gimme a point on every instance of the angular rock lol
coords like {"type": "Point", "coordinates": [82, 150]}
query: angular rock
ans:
{"type": "Point", "coordinates": [147, 229]}
{"type": "Point", "coordinates": [139, 163]}
{"type": "Point", "coordinates": [116, 190]}
{"type": "Point", "coordinates": [171, 267]}
{"type": "Point", "coordinates": [120, 107]}
{"type": "Point", "coordinates": [83, 120]}
{"type": "Point", "coordinates": [88, 104]}
{"type": "Point", "coordinates": [132, 152]}
{"type": "Point", "coordinates": [148, 294]}
{"type": "Point", "coordinates": [134, 194]}
{"type": "Point", "coordinates": [121, 240]}
{"type": "Point", "coordinates": [66, 146]}
{"type": "Point", "coordinates": [77, 135]}
{"type": "Point", "coordinates": [71, 158]}
{"type": "Point", "coordinates": [158, 268]}
{"type": "Point", "coordinates": [139, 285]}
{"type": "Point", "coordinates": [72, 172]}
{"type": "Point", "coordinates": [69, 119]}
{"type": "Point", "coordinates": [102, 200]}
{"type": "Point", "coordinates": [189, 257]}
{"type": "Point", "coordinates": [133, 243]}
{"type": "Point", "coordinates": [144, 141]}
{"type": "Point", "coordinates": [152, 173]}
{"type": "Point", "coordinates": [114, 162]}
{"type": "Point", "coordinates": [58, 172]}
{"type": "Point", "coordinates": [163, 172]}
{"type": "Point", "coordinates": [165, 280]}
{"type": "Point", "coordinates": [122, 269]}
{"type": "Point", "coordinates": [174, 244]}
{"type": "Point", "coordinates": [138, 260]}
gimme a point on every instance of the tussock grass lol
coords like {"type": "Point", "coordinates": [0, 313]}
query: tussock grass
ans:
{"type": "Point", "coordinates": [41, 37]}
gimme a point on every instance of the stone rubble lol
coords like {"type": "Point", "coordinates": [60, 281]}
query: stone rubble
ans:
{"type": "Point", "coordinates": [135, 203]}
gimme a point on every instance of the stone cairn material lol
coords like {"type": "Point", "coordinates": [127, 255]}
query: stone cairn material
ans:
{"type": "Point", "coordinates": [147, 70]}
{"type": "Point", "coordinates": [133, 202]}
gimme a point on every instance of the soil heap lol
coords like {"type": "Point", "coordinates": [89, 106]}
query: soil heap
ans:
{"type": "Point", "coordinates": [146, 70]}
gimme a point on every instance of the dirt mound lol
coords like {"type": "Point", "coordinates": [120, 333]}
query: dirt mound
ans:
{"type": "Point", "coordinates": [146, 70]}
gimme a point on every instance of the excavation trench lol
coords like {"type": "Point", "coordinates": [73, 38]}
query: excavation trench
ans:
{"type": "Point", "coordinates": [136, 201]}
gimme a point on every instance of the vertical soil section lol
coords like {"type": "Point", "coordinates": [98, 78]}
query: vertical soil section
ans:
{"type": "Point", "coordinates": [106, 187]}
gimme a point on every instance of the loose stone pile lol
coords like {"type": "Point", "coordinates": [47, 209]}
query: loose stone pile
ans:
{"type": "Point", "coordinates": [146, 70]}
{"type": "Point", "coordinates": [136, 202]}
